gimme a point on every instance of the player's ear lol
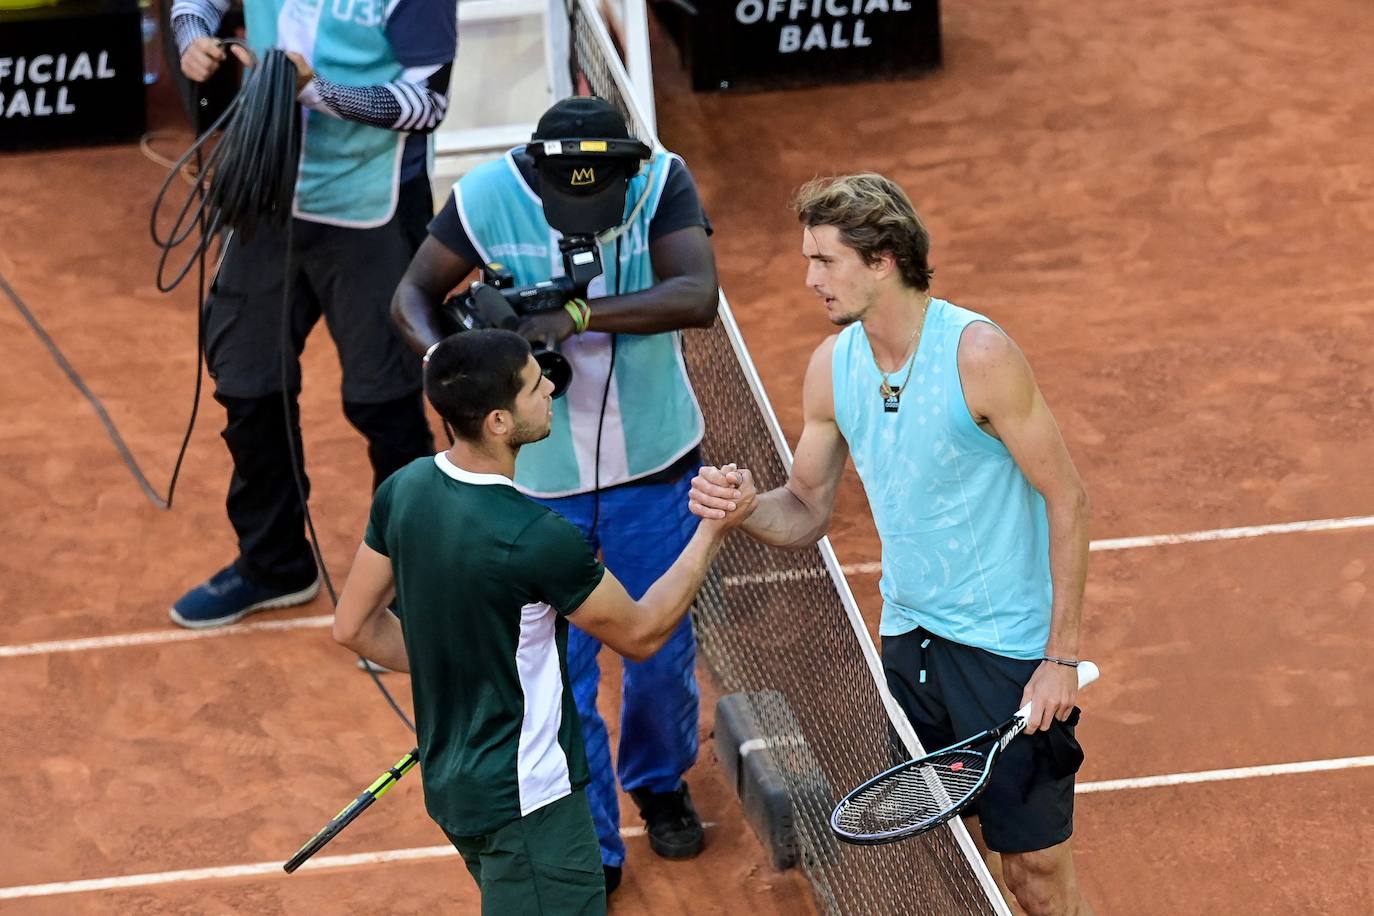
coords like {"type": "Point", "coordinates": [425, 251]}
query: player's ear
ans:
{"type": "Point", "coordinates": [884, 263]}
{"type": "Point", "coordinates": [498, 423]}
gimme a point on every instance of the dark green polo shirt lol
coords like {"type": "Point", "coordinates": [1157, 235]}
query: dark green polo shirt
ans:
{"type": "Point", "coordinates": [484, 579]}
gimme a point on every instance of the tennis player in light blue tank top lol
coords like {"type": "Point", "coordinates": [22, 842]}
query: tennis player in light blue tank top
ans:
{"type": "Point", "coordinates": [965, 536]}
{"type": "Point", "coordinates": [982, 516]}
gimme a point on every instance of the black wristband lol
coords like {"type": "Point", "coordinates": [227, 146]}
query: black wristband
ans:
{"type": "Point", "coordinates": [1066, 662]}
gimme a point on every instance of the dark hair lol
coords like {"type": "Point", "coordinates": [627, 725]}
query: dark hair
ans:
{"type": "Point", "coordinates": [473, 373]}
{"type": "Point", "coordinates": [874, 217]}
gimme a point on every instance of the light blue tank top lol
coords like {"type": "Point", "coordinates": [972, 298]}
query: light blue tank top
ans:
{"type": "Point", "coordinates": [965, 536]}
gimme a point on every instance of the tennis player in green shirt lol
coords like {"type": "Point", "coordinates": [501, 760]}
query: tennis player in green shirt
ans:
{"type": "Point", "coordinates": [486, 580]}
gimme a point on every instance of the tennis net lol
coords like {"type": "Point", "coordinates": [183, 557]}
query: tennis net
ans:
{"type": "Point", "coordinates": [781, 627]}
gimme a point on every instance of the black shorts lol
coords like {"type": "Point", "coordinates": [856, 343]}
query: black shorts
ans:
{"type": "Point", "coordinates": [951, 692]}
{"type": "Point", "coordinates": [347, 275]}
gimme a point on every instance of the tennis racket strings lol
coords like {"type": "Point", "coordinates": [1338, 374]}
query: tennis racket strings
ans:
{"type": "Point", "coordinates": [921, 794]}
{"type": "Point", "coordinates": [923, 791]}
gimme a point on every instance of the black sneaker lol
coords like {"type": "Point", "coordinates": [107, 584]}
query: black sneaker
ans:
{"type": "Point", "coordinates": [612, 873]}
{"type": "Point", "coordinates": [671, 822]}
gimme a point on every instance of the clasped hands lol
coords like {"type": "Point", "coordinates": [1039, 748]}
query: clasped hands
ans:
{"type": "Point", "coordinates": [723, 494]}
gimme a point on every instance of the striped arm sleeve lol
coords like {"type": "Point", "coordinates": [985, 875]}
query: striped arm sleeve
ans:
{"type": "Point", "coordinates": [415, 103]}
{"type": "Point", "coordinates": [192, 19]}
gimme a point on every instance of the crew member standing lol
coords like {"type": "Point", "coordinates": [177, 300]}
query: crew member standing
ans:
{"type": "Point", "coordinates": [374, 81]}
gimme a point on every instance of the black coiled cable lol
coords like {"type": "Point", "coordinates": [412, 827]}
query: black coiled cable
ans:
{"type": "Point", "coordinates": [256, 180]}
{"type": "Point", "coordinates": [249, 176]}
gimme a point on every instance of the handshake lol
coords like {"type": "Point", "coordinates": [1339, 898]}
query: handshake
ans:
{"type": "Point", "coordinates": [723, 497]}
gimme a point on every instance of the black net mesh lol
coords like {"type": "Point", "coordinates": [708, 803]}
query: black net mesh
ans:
{"type": "Point", "coordinates": [774, 626]}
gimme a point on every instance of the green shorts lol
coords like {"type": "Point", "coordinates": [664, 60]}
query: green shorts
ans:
{"type": "Point", "coordinates": [546, 863]}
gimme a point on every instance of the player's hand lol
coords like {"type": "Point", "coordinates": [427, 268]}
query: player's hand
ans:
{"type": "Point", "coordinates": [737, 500]}
{"type": "Point", "coordinates": [746, 502]}
{"type": "Point", "coordinates": [1052, 692]}
{"type": "Point", "coordinates": [548, 328]}
{"type": "Point", "coordinates": [304, 72]}
{"type": "Point", "coordinates": [715, 491]}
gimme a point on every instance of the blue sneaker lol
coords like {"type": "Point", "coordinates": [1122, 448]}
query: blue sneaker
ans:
{"type": "Point", "coordinates": [228, 597]}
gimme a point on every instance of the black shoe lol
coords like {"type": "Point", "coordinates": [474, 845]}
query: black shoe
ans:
{"type": "Point", "coordinates": [612, 873]}
{"type": "Point", "coordinates": [671, 822]}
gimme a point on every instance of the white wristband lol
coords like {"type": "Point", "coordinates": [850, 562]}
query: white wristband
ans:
{"type": "Point", "coordinates": [430, 352]}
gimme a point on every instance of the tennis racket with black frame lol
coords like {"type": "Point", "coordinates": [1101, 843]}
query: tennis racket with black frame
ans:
{"type": "Point", "coordinates": [920, 795]}
{"type": "Point", "coordinates": [356, 807]}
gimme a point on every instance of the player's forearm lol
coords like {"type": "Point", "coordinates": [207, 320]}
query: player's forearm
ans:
{"type": "Point", "coordinates": [668, 599]}
{"type": "Point", "coordinates": [377, 636]}
{"type": "Point", "coordinates": [784, 519]}
{"type": "Point", "coordinates": [1068, 520]}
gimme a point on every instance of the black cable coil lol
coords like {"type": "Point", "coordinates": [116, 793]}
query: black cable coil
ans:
{"type": "Point", "coordinates": [249, 177]}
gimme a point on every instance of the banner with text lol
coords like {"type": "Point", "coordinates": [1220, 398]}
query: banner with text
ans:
{"type": "Point", "coordinates": [771, 43]}
{"type": "Point", "coordinates": [72, 73]}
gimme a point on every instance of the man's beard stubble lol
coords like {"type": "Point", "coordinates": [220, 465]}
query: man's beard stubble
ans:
{"type": "Point", "coordinates": [526, 433]}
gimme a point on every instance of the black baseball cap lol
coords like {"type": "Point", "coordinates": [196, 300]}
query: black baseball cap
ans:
{"type": "Point", "coordinates": [581, 116]}
{"type": "Point", "coordinates": [585, 157]}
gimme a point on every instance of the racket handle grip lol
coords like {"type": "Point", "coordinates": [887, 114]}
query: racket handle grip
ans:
{"type": "Point", "coordinates": [1087, 673]}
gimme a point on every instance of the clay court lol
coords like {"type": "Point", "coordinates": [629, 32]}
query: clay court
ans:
{"type": "Point", "coordinates": [1170, 206]}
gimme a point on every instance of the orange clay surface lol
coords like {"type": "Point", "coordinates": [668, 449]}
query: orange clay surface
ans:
{"type": "Point", "coordinates": [1170, 207]}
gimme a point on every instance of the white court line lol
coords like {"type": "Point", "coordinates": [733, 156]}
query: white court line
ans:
{"type": "Point", "coordinates": [1178, 779]}
{"type": "Point", "coordinates": [318, 863]}
{"type": "Point", "coordinates": [229, 871]}
{"type": "Point", "coordinates": [155, 637]}
{"type": "Point", "coordinates": [1152, 540]}
{"type": "Point", "coordinates": [1232, 534]}
{"type": "Point", "coordinates": [435, 852]}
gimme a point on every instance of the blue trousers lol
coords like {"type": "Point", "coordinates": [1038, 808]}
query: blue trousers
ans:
{"type": "Point", "coordinates": [640, 530]}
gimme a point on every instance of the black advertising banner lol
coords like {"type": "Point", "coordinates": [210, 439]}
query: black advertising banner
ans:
{"type": "Point", "coordinates": [71, 73]}
{"type": "Point", "coordinates": [756, 44]}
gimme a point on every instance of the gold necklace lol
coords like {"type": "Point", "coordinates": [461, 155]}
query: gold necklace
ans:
{"type": "Point", "coordinates": [892, 397]}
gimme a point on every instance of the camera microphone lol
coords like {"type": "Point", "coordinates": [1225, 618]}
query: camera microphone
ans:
{"type": "Point", "coordinates": [491, 308]}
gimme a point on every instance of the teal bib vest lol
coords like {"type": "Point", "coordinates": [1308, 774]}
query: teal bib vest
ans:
{"type": "Point", "coordinates": [651, 417]}
{"type": "Point", "coordinates": [349, 172]}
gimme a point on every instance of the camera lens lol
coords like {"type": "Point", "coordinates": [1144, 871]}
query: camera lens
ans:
{"type": "Point", "coordinates": [555, 367]}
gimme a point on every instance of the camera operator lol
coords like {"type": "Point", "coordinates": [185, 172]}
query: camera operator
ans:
{"type": "Point", "coordinates": [625, 442]}
{"type": "Point", "coordinates": [374, 80]}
